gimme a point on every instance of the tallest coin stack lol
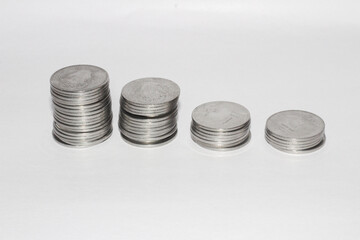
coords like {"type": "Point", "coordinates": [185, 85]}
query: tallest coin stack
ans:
{"type": "Point", "coordinates": [82, 105]}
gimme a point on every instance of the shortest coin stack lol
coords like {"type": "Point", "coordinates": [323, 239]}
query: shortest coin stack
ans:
{"type": "Point", "coordinates": [82, 105]}
{"type": "Point", "coordinates": [220, 125]}
{"type": "Point", "coordinates": [295, 131]}
{"type": "Point", "coordinates": [148, 111]}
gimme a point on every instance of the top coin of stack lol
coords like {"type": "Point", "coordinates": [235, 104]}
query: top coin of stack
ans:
{"type": "Point", "coordinates": [295, 131]}
{"type": "Point", "coordinates": [220, 125]}
{"type": "Point", "coordinates": [148, 111]}
{"type": "Point", "coordinates": [82, 105]}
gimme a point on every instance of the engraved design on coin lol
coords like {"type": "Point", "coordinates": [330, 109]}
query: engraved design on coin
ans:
{"type": "Point", "coordinates": [76, 79]}
{"type": "Point", "coordinates": [295, 124]}
{"type": "Point", "coordinates": [79, 78]}
{"type": "Point", "coordinates": [151, 91]}
{"type": "Point", "coordinates": [217, 115]}
{"type": "Point", "coordinates": [220, 125]}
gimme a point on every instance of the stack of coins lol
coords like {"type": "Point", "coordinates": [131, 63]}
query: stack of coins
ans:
{"type": "Point", "coordinates": [295, 131]}
{"type": "Point", "coordinates": [148, 111]}
{"type": "Point", "coordinates": [82, 105]}
{"type": "Point", "coordinates": [220, 125]}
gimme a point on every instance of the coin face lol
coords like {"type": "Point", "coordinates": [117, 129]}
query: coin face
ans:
{"type": "Point", "coordinates": [79, 78]}
{"type": "Point", "coordinates": [295, 124]}
{"type": "Point", "coordinates": [151, 91]}
{"type": "Point", "coordinates": [221, 115]}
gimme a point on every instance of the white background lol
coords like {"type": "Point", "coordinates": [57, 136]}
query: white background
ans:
{"type": "Point", "coordinates": [266, 55]}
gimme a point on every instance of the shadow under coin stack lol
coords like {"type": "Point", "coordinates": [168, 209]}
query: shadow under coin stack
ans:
{"type": "Point", "coordinates": [295, 131]}
{"type": "Point", "coordinates": [148, 111]}
{"type": "Point", "coordinates": [220, 125]}
{"type": "Point", "coordinates": [82, 105]}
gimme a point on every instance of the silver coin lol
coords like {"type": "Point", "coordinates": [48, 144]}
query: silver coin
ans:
{"type": "Point", "coordinates": [220, 132]}
{"type": "Point", "coordinates": [221, 115]}
{"type": "Point", "coordinates": [219, 137]}
{"type": "Point", "coordinates": [295, 131]}
{"type": "Point", "coordinates": [81, 121]}
{"type": "Point", "coordinates": [220, 125]}
{"type": "Point", "coordinates": [83, 143]}
{"type": "Point", "coordinates": [293, 142]}
{"type": "Point", "coordinates": [219, 142]}
{"type": "Point", "coordinates": [81, 110]}
{"type": "Point", "coordinates": [147, 132]}
{"type": "Point", "coordinates": [81, 106]}
{"type": "Point", "coordinates": [149, 144]}
{"type": "Point", "coordinates": [79, 101]}
{"type": "Point", "coordinates": [220, 146]}
{"type": "Point", "coordinates": [83, 128]}
{"type": "Point", "coordinates": [151, 91]}
{"type": "Point", "coordinates": [148, 121]}
{"type": "Point", "coordinates": [81, 95]}
{"type": "Point", "coordinates": [293, 150]}
{"type": "Point", "coordinates": [79, 78]}
{"type": "Point", "coordinates": [295, 124]}
{"type": "Point", "coordinates": [147, 139]}
{"type": "Point", "coordinates": [81, 134]}
{"type": "Point", "coordinates": [293, 145]}
{"type": "Point", "coordinates": [148, 111]}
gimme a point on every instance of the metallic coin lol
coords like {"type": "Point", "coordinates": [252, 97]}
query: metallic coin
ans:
{"type": "Point", "coordinates": [79, 78]}
{"type": "Point", "coordinates": [295, 124]}
{"type": "Point", "coordinates": [89, 109]}
{"type": "Point", "coordinates": [221, 115]}
{"type": "Point", "coordinates": [149, 138]}
{"type": "Point", "coordinates": [216, 142]}
{"type": "Point", "coordinates": [83, 128]}
{"type": "Point", "coordinates": [91, 134]}
{"type": "Point", "coordinates": [84, 143]}
{"type": "Point", "coordinates": [213, 137]}
{"type": "Point", "coordinates": [148, 111]}
{"type": "Point", "coordinates": [220, 131]}
{"type": "Point", "coordinates": [151, 91]}
{"type": "Point", "coordinates": [82, 121]}
{"type": "Point", "coordinates": [294, 146]}
{"type": "Point", "coordinates": [147, 133]}
{"type": "Point", "coordinates": [79, 101]}
{"type": "Point", "coordinates": [81, 106]}
{"type": "Point", "coordinates": [295, 131]}
{"type": "Point", "coordinates": [148, 121]}
{"type": "Point", "coordinates": [220, 146]}
{"type": "Point", "coordinates": [292, 150]}
{"type": "Point", "coordinates": [220, 125]}
{"type": "Point", "coordinates": [86, 94]}
{"type": "Point", "coordinates": [149, 144]}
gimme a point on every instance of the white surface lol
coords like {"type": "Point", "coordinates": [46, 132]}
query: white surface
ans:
{"type": "Point", "coordinates": [267, 55]}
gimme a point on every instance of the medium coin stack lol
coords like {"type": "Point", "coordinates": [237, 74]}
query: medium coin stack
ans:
{"type": "Point", "coordinates": [220, 125]}
{"type": "Point", "coordinates": [295, 131]}
{"type": "Point", "coordinates": [148, 111]}
{"type": "Point", "coordinates": [82, 105]}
